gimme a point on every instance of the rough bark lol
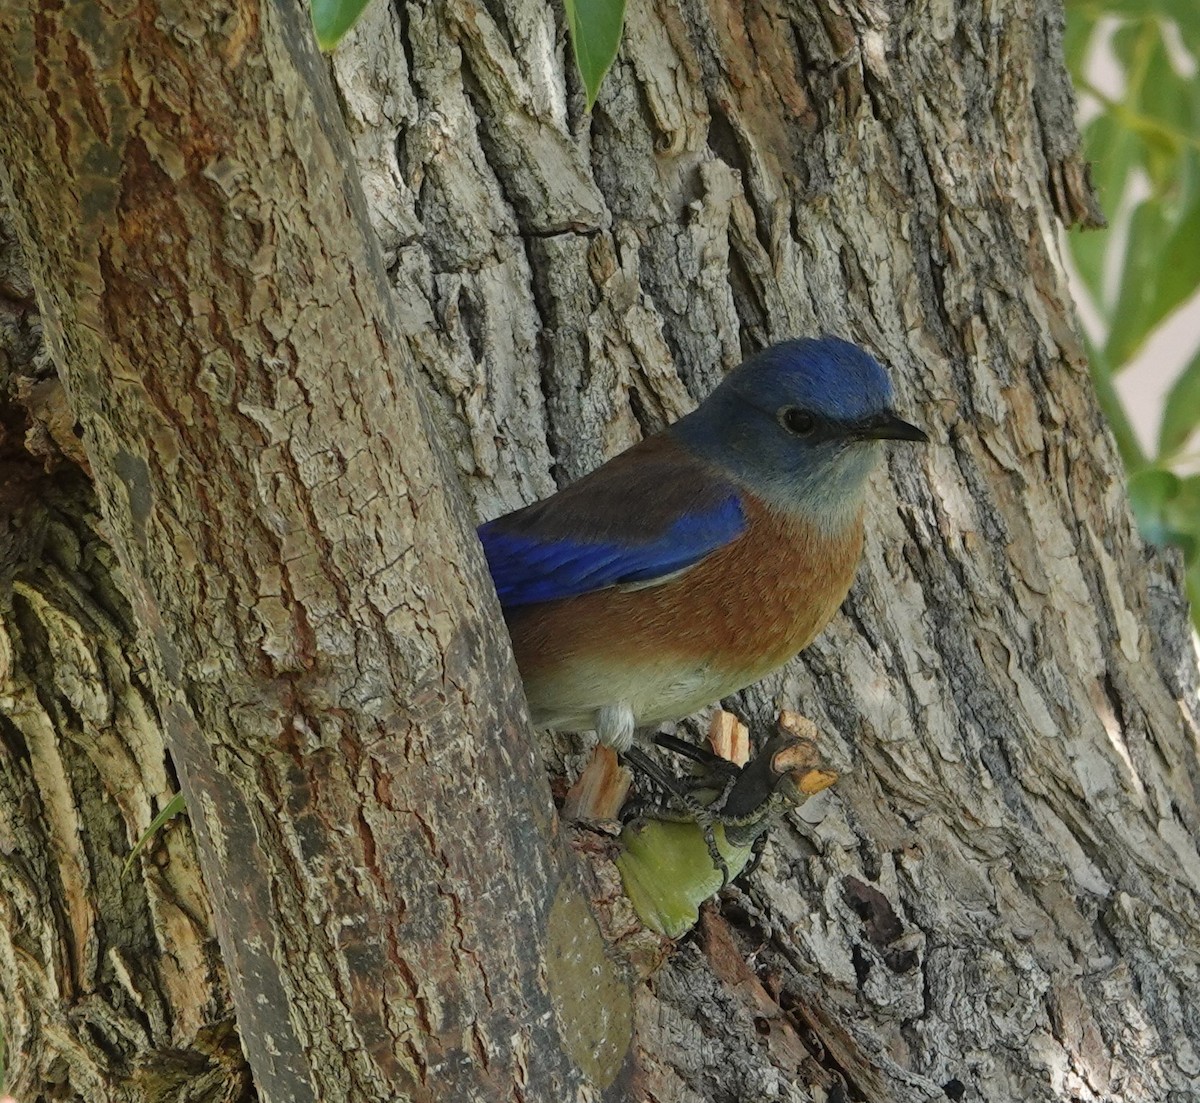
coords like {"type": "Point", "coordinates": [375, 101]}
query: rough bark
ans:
{"type": "Point", "coordinates": [999, 898]}
{"type": "Point", "coordinates": [111, 982]}
{"type": "Point", "coordinates": [108, 978]}
{"type": "Point", "coordinates": [337, 696]}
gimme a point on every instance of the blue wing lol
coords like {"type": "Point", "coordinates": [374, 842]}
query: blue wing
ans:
{"type": "Point", "coordinates": [649, 513]}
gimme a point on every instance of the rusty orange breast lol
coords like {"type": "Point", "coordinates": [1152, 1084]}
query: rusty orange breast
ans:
{"type": "Point", "coordinates": [735, 616]}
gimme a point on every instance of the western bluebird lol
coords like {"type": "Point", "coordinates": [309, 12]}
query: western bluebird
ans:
{"type": "Point", "coordinates": [702, 558]}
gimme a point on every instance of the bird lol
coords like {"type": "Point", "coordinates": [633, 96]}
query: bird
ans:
{"type": "Point", "coordinates": [703, 557]}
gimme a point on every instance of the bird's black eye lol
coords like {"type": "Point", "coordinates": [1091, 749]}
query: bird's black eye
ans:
{"type": "Point", "coordinates": [796, 421]}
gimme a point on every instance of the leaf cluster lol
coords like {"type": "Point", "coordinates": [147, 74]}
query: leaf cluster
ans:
{"type": "Point", "coordinates": [1144, 146]}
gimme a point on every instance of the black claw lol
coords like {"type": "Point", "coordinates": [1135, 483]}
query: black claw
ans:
{"type": "Point", "coordinates": [699, 754]}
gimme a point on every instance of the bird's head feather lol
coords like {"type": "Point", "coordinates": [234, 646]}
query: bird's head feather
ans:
{"type": "Point", "coordinates": [799, 424]}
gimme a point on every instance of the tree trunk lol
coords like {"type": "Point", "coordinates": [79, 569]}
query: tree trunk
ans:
{"type": "Point", "coordinates": [999, 900]}
{"type": "Point", "coordinates": [330, 669]}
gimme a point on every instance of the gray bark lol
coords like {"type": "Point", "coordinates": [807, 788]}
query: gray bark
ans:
{"type": "Point", "coordinates": [999, 897]}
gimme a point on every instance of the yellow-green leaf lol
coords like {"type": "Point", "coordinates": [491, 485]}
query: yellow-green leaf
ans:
{"type": "Point", "coordinates": [595, 27]}
{"type": "Point", "coordinates": [333, 18]}
{"type": "Point", "coordinates": [668, 872]}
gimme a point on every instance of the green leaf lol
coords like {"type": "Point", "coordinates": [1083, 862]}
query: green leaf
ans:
{"type": "Point", "coordinates": [1179, 264]}
{"type": "Point", "coordinates": [595, 27]}
{"type": "Point", "coordinates": [1186, 14]}
{"type": "Point", "coordinates": [1168, 509]}
{"type": "Point", "coordinates": [1112, 150]}
{"type": "Point", "coordinates": [1135, 10]}
{"type": "Point", "coordinates": [169, 811]}
{"type": "Point", "coordinates": [1077, 38]}
{"type": "Point", "coordinates": [1132, 42]}
{"type": "Point", "coordinates": [1149, 493]}
{"type": "Point", "coordinates": [333, 18]}
{"type": "Point", "coordinates": [667, 872]}
{"type": "Point", "coordinates": [1166, 96]}
{"type": "Point", "coordinates": [1162, 270]}
{"type": "Point", "coordinates": [1089, 250]}
{"type": "Point", "coordinates": [1133, 316]}
{"type": "Point", "coordinates": [1182, 514]}
{"type": "Point", "coordinates": [1162, 115]}
{"type": "Point", "coordinates": [1181, 411]}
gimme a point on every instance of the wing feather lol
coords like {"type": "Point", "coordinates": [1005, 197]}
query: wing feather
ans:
{"type": "Point", "coordinates": [645, 516]}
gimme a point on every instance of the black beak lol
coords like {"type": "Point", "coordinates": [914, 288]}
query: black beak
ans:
{"type": "Point", "coordinates": [888, 426]}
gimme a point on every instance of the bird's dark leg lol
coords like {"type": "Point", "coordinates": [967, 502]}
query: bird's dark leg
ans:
{"type": "Point", "coordinates": [718, 771]}
{"type": "Point", "coordinates": [713, 763]}
{"type": "Point", "coordinates": [615, 724]}
{"type": "Point", "coordinates": [674, 787]}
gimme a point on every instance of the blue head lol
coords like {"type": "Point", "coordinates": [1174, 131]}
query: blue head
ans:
{"type": "Point", "coordinates": [800, 424]}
